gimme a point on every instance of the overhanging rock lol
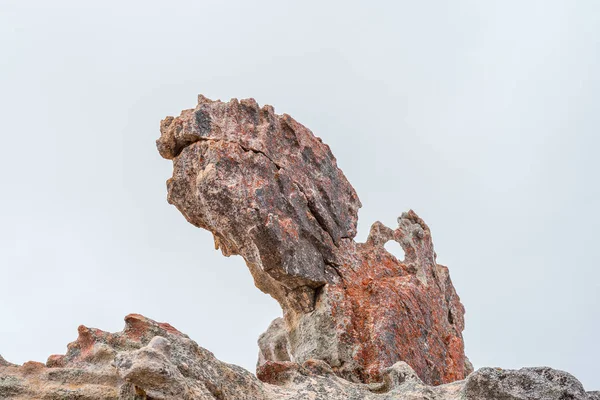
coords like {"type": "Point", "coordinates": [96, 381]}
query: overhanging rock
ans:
{"type": "Point", "coordinates": [270, 191]}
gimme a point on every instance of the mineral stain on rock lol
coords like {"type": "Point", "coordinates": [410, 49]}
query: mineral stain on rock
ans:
{"type": "Point", "coordinates": [357, 322]}
{"type": "Point", "coordinates": [290, 212]}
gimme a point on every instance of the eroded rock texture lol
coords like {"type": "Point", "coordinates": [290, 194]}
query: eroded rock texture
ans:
{"type": "Point", "coordinates": [154, 361]}
{"type": "Point", "coordinates": [270, 191]}
{"type": "Point", "coordinates": [145, 361]}
{"type": "Point", "coordinates": [267, 188]}
{"type": "Point", "coordinates": [358, 323]}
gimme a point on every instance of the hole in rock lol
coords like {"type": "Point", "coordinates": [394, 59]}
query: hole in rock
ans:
{"type": "Point", "coordinates": [395, 249]}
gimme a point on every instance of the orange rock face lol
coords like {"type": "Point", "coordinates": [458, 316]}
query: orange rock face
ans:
{"type": "Point", "coordinates": [93, 344]}
{"type": "Point", "coordinates": [405, 310]}
{"type": "Point", "coordinates": [270, 191]}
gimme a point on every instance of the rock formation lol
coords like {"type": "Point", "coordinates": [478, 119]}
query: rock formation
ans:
{"type": "Point", "coordinates": [154, 361]}
{"type": "Point", "coordinates": [270, 191]}
{"type": "Point", "coordinates": [357, 322]}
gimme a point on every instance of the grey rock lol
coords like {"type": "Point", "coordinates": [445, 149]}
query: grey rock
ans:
{"type": "Point", "coordinates": [266, 187]}
{"type": "Point", "coordinates": [271, 191]}
{"type": "Point", "coordinates": [3, 362]}
{"type": "Point", "coordinates": [273, 343]}
{"type": "Point", "coordinates": [154, 361]}
{"type": "Point", "coordinates": [541, 383]}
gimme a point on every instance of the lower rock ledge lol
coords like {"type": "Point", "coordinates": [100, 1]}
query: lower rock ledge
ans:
{"type": "Point", "coordinates": [152, 361]}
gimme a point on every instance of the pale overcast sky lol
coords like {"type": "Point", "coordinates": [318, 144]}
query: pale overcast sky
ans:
{"type": "Point", "coordinates": [482, 116]}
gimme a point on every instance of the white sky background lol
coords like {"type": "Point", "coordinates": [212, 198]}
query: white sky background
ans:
{"type": "Point", "coordinates": [482, 116]}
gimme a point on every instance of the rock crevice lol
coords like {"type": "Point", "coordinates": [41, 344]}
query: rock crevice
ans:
{"type": "Point", "coordinates": [292, 216]}
{"type": "Point", "coordinates": [358, 323]}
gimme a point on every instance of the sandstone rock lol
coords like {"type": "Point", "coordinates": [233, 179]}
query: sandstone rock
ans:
{"type": "Point", "coordinates": [86, 370]}
{"type": "Point", "coordinates": [273, 345]}
{"type": "Point", "coordinates": [154, 361]}
{"type": "Point", "coordinates": [147, 360]}
{"type": "Point", "coordinates": [4, 363]}
{"type": "Point", "coordinates": [358, 323]}
{"type": "Point", "coordinates": [540, 383]}
{"type": "Point", "coordinates": [266, 187]}
{"type": "Point", "coordinates": [270, 191]}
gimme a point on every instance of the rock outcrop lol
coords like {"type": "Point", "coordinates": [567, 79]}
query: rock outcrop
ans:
{"type": "Point", "coordinates": [357, 322]}
{"type": "Point", "coordinates": [270, 191]}
{"type": "Point", "coordinates": [154, 361]}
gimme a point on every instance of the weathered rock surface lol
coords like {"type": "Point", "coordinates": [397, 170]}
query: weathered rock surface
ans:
{"type": "Point", "coordinates": [525, 384]}
{"type": "Point", "coordinates": [267, 188]}
{"type": "Point", "coordinates": [273, 344]}
{"type": "Point", "coordinates": [147, 360]}
{"type": "Point", "coordinates": [154, 361]}
{"type": "Point", "coordinates": [595, 395]}
{"type": "Point", "coordinates": [358, 323]}
{"type": "Point", "coordinates": [270, 191]}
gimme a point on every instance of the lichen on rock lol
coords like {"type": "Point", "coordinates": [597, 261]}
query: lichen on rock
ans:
{"type": "Point", "coordinates": [148, 360]}
{"type": "Point", "coordinates": [357, 322]}
{"type": "Point", "coordinates": [270, 191]}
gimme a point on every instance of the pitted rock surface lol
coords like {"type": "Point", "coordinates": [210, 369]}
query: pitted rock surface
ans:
{"type": "Point", "coordinates": [270, 191]}
{"type": "Point", "coordinates": [273, 344]}
{"type": "Point", "coordinates": [154, 361]}
{"type": "Point", "coordinates": [358, 323]}
{"type": "Point", "coordinates": [4, 363]}
{"type": "Point", "coordinates": [539, 383]}
{"type": "Point", "coordinates": [267, 189]}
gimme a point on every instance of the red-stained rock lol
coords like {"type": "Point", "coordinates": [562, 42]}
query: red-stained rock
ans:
{"type": "Point", "coordinates": [32, 367]}
{"type": "Point", "coordinates": [267, 189]}
{"type": "Point", "coordinates": [94, 345]}
{"type": "Point", "coordinates": [270, 191]}
{"type": "Point", "coordinates": [276, 372]}
{"type": "Point", "coordinates": [146, 360]}
{"type": "Point", "coordinates": [405, 311]}
{"type": "Point", "coordinates": [162, 363]}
